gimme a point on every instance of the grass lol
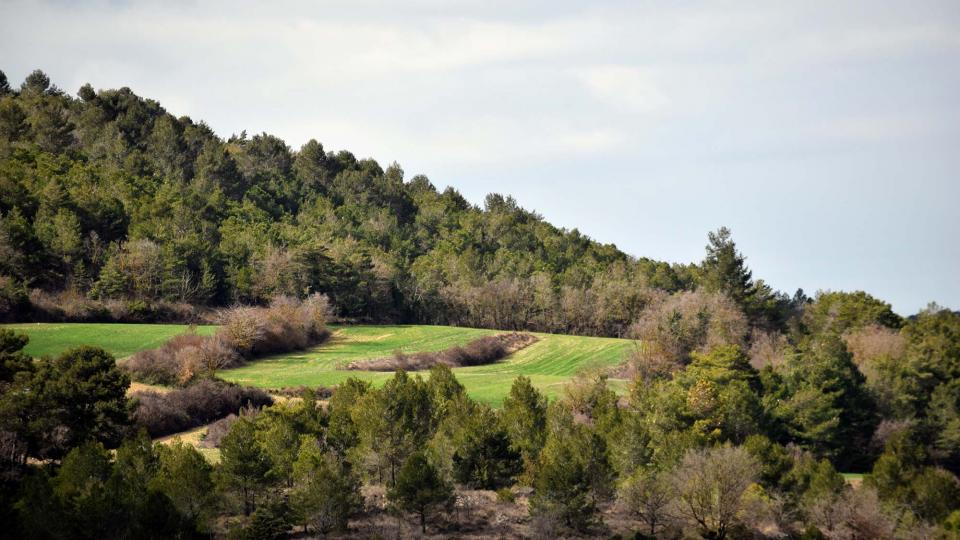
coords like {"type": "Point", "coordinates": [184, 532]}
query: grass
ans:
{"type": "Point", "coordinates": [120, 340]}
{"type": "Point", "coordinates": [193, 437]}
{"type": "Point", "coordinates": [550, 362]}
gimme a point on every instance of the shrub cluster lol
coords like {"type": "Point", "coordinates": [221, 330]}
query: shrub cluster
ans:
{"type": "Point", "coordinates": [217, 431]}
{"type": "Point", "coordinates": [71, 306]}
{"type": "Point", "coordinates": [200, 403]}
{"type": "Point", "coordinates": [246, 332]}
{"type": "Point", "coordinates": [485, 350]}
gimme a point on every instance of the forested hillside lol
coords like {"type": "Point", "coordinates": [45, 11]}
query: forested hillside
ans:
{"type": "Point", "coordinates": [110, 197]}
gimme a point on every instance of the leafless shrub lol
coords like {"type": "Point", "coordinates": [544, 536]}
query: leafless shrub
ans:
{"type": "Point", "coordinates": [72, 306]}
{"type": "Point", "coordinates": [710, 485]}
{"type": "Point", "coordinates": [162, 365]}
{"type": "Point", "coordinates": [320, 392]}
{"type": "Point", "coordinates": [217, 431]}
{"type": "Point", "coordinates": [648, 495]}
{"type": "Point", "coordinates": [888, 429]}
{"type": "Point", "coordinates": [485, 350]}
{"type": "Point", "coordinates": [768, 349]}
{"type": "Point", "coordinates": [195, 405]}
{"type": "Point", "coordinates": [855, 514]}
{"type": "Point", "coordinates": [242, 327]}
{"type": "Point", "coordinates": [870, 343]}
{"type": "Point", "coordinates": [671, 327]}
{"type": "Point", "coordinates": [245, 332]}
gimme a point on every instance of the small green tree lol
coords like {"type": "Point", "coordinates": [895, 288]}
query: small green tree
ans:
{"type": "Point", "coordinates": [279, 441]}
{"type": "Point", "coordinates": [244, 467]}
{"type": "Point", "coordinates": [485, 458]}
{"type": "Point", "coordinates": [186, 478]}
{"type": "Point", "coordinates": [420, 489]}
{"type": "Point", "coordinates": [75, 397]}
{"type": "Point", "coordinates": [524, 416]}
{"type": "Point", "coordinates": [572, 474]}
{"type": "Point", "coordinates": [325, 492]}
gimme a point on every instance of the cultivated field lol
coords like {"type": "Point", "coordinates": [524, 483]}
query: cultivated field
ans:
{"type": "Point", "coordinates": [550, 362]}
{"type": "Point", "coordinates": [120, 340]}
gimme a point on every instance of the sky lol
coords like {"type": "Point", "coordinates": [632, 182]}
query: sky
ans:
{"type": "Point", "coordinates": [824, 134]}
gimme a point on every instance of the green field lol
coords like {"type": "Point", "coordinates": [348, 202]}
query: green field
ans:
{"type": "Point", "coordinates": [550, 362]}
{"type": "Point", "coordinates": [120, 340]}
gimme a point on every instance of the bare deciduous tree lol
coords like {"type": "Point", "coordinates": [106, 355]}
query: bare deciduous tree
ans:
{"type": "Point", "coordinates": [648, 494]}
{"type": "Point", "coordinates": [710, 484]}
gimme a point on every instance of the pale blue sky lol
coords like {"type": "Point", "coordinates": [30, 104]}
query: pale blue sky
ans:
{"type": "Point", "coordinates": [826, 135]}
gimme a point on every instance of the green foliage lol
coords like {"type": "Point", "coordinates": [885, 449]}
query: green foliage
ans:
{"type": "Point", "coordinates": [823, 403]}
{"type": "Point", "coordinates": [186, 478]}
{"type": "Point", "coordinates": [394, 421]}
{"type": "Point", "coordinates": [524, 416]}
{"type": "Point", "coordinates": [55, 404]}
{"type": "Point", "coordinates": [724, 270]}
{"type": "Point", "coordinates": [325, 493]}
{"type": "Point", "coordinates": [420, 489]}
{"type": "Point", "coordinates": [484, 458]}
{"type": "Point", "coordinates": [935, 494]}
{"type": "Point", "coordinates": [245, 468]}
{"type": "Point", "coordinates": [572, 475]}
{"type": "Point", "coordinates": [838, 312]}
{"type": "Point", "coordinates": [111, 191]}
{"type": "Point", "coordinates": [12, 358]}
{"type": "Point", "coordinates": [271, 521]}
{"type": "Point", "coordinates": [91, 497]}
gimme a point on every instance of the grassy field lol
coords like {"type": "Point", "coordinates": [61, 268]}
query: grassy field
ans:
{"type": "Point", "coordinates": [550, 362]}
{"type": "Point", "coordinates": [121, 340]}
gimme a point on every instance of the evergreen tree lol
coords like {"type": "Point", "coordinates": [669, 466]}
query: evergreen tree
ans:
{"type": "Point", "coordinates": [420, 489]}
{"type": "Point", "coordinates": [244, 466]}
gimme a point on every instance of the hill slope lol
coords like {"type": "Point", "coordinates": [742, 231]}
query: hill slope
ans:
{"type": "Point", "coordinates": [110, 196]}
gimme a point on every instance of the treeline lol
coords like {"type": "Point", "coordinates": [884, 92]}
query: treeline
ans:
{"type": "Point", "coordinates": [717, 449]}
{"type": "Point", "coordinates": [113, 209]}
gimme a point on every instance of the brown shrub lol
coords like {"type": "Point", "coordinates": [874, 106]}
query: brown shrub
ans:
{"type": "Point", "coordinates": [197, 404]}
{"type": "Point", "coordinates": [686, 322]}
{"type": "Point", "coordinates": [241, 327]}
{"type": "Point", "coordinates": [768, 349]}
{"type": "Point", "coordinates": [856, 513]}
{"type": "Point", "coordinates": [71, 306]}
{"type": "Point", "coordinates": [246, 332]}
{"type": "Point", "coordinates": [217, 431]}
{"type": "Point", "coordinates": [871, 343]}
{"type": "Point", "coordinates": [485, 350]}
{"type": "Point", "coordinates": [162, 365]}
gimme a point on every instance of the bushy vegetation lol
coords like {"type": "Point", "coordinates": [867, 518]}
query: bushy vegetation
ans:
{"type": "Point", "coordinates": [478, 352]}
{"type": "Point", "coordinates": [245, 332]}
{"type": "Point", "coordinates": [714, 448]}
{"type": "Point", "coordinates": [163, 413]}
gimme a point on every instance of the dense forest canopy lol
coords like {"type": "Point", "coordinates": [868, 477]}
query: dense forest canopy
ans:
{"type": "Point", "coordinates": [109, 196]}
